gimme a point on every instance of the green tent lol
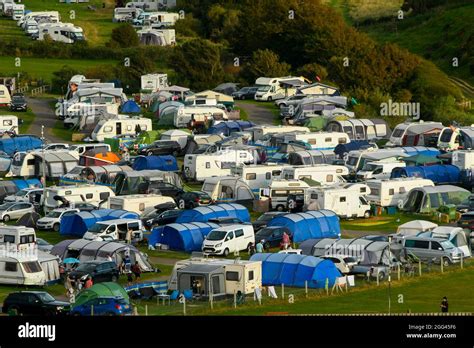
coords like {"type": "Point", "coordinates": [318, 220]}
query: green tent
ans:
{"type": "Point", "coordinates": [421, 160]}
{"type": "Point", "coordinates": [114, 144]}
{"type": "Point", "coordinates": [316, 123]}
{"type": "Point", "coordinates": [148, 137]}
{"type": "Point", "coordinates": [166, 120]}
{"type": "Point", "coordinates": [101, 290]}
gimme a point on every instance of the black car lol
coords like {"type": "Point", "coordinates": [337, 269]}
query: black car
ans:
{"type": "Point", "coordinates": [100, 271]}
{"type": "Point", "coordinates": [156, 218]}
{"type": "Point", "coordinates": [245, 93]}
{"type": "Point", "coordinates": [33, 303]}
{"type": "Point", "coordinates": [271, 237]}
{"type": "Point", "coordinates": [161, 147]}
{"type": "Point", "coordinates": [191, 200]}
{"type": "Point", "coordinates": [163, 188]}
{"type": "Point", "coordinates": [85, 206]}
{"type": "Point", "coordinates": [264, 219]}
{"type": "Point", "coordinates": [466, 205]}
{"type": "Point", "coordinates": [226, 221]}
{"type": "Point", "coordinates": [18, 103]}
{"type": "Point", "coordinates": [467, 222]}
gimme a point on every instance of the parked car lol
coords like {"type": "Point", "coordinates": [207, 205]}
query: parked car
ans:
{"type": "Point", "coordinates": [15, 210]}
{"type": "Point", "coordinates": [292, 100]}
{"type": "Point", "coordinates": [467, 205]}
{"type": "Point", "coordinates": [245, 93]}
{"type": "Point", "coordinates": [271, 237]}
{"type": "Point", "coordinates": [24, 195]}
{"type": "Point", "coordinates": [432, 249]}
{"type": "Point", "coordinates": [57, 146]}
{"type": "Point", "coordinates": [191, 200]}
{"type": "Point", "coordinates": [161, 147]}
{"type": "Point", "coordinates": [18, 103]}
{"type": "Point", "coordinates": [43, 245]}
{"type": "Point", "coordinates": [103, 306]}
{"type": "Point", "coordinates": [163, 188]}
{"type": "Point", "coordinates": [156, 218]}
{"type": "Point", "coordinates": [344, 264]}
{"type": "Point", "coordinates": [52, 221]}
{"type": "Point", "coordinates": [85, 206]}
{"type": "Point", "coordinates": [467, 221]}
{"type": "Point", "coordinates": [34, 303]}
{"type": "Point", "coordinates": [264, 219]}
{"type": "Point", "coordinates": [100, 271]}
{"type": "Point", "coordinates": [223, 221]}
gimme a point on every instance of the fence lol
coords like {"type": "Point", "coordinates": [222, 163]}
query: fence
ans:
{"type": "Point", "coordinates": [40, 90]}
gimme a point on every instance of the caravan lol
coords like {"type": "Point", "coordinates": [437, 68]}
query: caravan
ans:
{"type": "Point", "coordinates": [274, 88]}
{"type": "Point", "coordinates": [9, 123]}
{"type": "Point", "coordinates": [452, 138]}
{"type": "Point", "coordinates": [21, 270]}
{"type": "Point", "coordinates": [140, 204]}
{"type": "Point", "coordinates": [360, 129]}
{"type": "Point", "coordinates": [51, 163]}
{"type": "Point", "coordinates": [415, 133]}
{"type": "Point", "coordinates": [17, 238]}
{"type": "Point", "coordinates": [325, 174]}
{"type": "Point", "coordinates": [257, 176]}
{"type": "Point", "coordinates": [317, 140]}
{"type": "Point", "coordinates": [393, 192]}
{"type": "Point", "coordinates": [61, 32]}
{"type": "Point", "coordinates": [122, 125]}
{"type": "Point", "coordinates": [93, 194]}
{"type": "Point", "coordinates": [279, 190]}
{"type": "Point", "coordinates": [124, 14]}
{"type": "Point", "coordinates": [5, 97]}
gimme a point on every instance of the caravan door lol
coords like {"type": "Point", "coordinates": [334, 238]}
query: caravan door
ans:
{"type": "Point", "coordinates": [118, 127]}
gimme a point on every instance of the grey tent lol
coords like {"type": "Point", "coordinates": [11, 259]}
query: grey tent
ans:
{"type": "Point", "coordinates": [50, 265]}
{"type": "Point", "coordinates": [209, 277]}
{"type": "Point", "coordinates": [429, 199]}
{"type": "Point", "coordinates": [102, 174]}
{"type": "Point", "coordinates": [133, 182]}
{"type": "Point", "coordinates": [28, 220]}
{"type": "Point", "coordinates": [311, 157]}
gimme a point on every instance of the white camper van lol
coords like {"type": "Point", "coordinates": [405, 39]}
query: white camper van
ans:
{"type": "Point", "coordinates": [274, 88]}
{"type": "Point", "coordinates": [120, 126]}
{"type": "Point", "coordinates": [277, 192]}
{"type": "Point", "coordinates": [9, 123]}
{"type": "Point", "coordinates": [393, 192]}
{"type": "Point", "coordinates": [379, 169]}
{"type": "Point", "coordinates": [17, 238]}
{"type": "Point", "coordinates": [139, 204]}
{"type": "Point", "coordinates": [116, 229]}
{"type": "Point", "coordinates": [325, 174]}
{"type": "Point", "coordinates": [259, 175]}
{"type": "Point", "coordinates": [61, 32]}
{"type": "Point", "coordinates": [124, 14]}
{"type": "Point", "coordinates": [259, 131]}
{"type": "Point", "coordinates": [93, 194]}
{"type": "Point", "coordinates": [228, 239]}
{"type": "Point", "coordinates": [5, 98]}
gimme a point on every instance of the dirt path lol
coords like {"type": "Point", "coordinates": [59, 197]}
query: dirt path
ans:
{"type": "Point", "coordinates": [44, 117]}
{"type": "Point", "coordinates": [256, 113]}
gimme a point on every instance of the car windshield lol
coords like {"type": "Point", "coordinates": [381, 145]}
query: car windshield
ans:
{"type": "Point", "coordinates": [203, 195]}
{"type": "Point", "coordinates": [41, 241]}
{"type": "Point", "coordinates": [5, 206]}
{"type": "Point", "coordinates": [244, 90]}
{"type": "Point", "coordinates": [86, 267]}
{"type": "Point", "coordinates": [45, 297]}
{"type": "Point", "coordinates": [265, 217]}
{"type": "Point", "coordinates": [216, 235]}
{"type": "Point", "coordinates": [349, 260]}
{"type": "Point", "coordinates": [264, 232]}
{"type": "Point", "coordinates": [54, 214]}
{"type": "Point", "coordinates": [264, 88]}
{"type": "Point", "coordinates": [447, 245]}
{"type": "Point", "coordinates": [21, 193]}
{"type": "Point", "coordinates": [97, 228]}
{"type": "Point", "coordinates": [18, 99]}
{"type": "Point", "coordinates": [369, 167]}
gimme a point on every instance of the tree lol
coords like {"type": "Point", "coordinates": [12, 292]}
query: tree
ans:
{"type": "Point", "coordinates": [60, 80]}
{"type": "Point", "coordinates": [130, 74]}
{"type": "Point", "coordinates": [310, 71]}
{"type": "Point", "coordinates": [265, 63]}
{"type": "Point", "coordinates": [124, 36]}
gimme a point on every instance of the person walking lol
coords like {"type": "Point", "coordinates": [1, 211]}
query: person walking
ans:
{"type": "Point", "coordinates": [444, 305]}
{"type": "Point", "coordinates": [285, 243]}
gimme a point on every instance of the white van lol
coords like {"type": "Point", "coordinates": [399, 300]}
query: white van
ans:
{"type": "Point", "coordinates": [117, 229]}
{"type": "Point", "coordinates": [17, 238]}
{"type": "Point", "coordinates": [259, 175]}
{"type": "Point", "coordinates": [279, 190]}
{"type": "Point", "coordinates": [228, 239]}
{"type": "Point", "coordinates": [17, 270]}
{"type": "Point", "coordinates": [9, 123]}
{"type": "Point", "coordinates": [393, 192]}
{"type": "Point", "coordinates": [325, 174]}
{"type": "Point", "coordinates": [24, 195]}
{"type": "Point", "coordinates": [379, 169]}
{"type": "Point", "coordinates": [139, 204]}
{"type": "Point", "coordinates": [82, 148]}
{"type": "Point", "coordinates": [120, 126]}
{"type": "Point", "coordinates": [93, 194]}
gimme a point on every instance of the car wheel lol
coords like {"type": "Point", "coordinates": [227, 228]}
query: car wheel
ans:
{"type": "Point", "coordinates": [56, 227]}
{"type": "Point", "coordinates": [6, 218]}
{"type": "Point", "coordinates": [114, 278]}
{"type": "Point", "coordinates": [14, 310]}
{"type": "Point", "coordinates": [226, 252]}
{"type": "Point", "coordinates": [243, 97]}
{"type": "Point", "coordinates": [367, 214]}
{"type": "Point", "coordinates": [446, 262]}
{"type": "Point", "coordinates": [269, 99]}
{"type": "Point", "coordinates": [280, 208]}
{"type": "Point", "coordinates": [149, 153]}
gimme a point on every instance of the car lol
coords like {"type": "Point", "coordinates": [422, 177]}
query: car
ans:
{"type": "Point", "coordinates": [467, 221]}
{"type": "Point", "coordinates": [100, 271]}
{"type": "Point", "coordinates": [271, 237]}
{"type": "Point", "coordinates": [57, 146]}
{"type": "Point", "coordinates": [159, 187]}
{"type": "Point", "coordinates": [52, 221]}
{"type": "Point", "coordinates": [161, 147]}
{"type": "Point", "coordinates": [265, 218]}
{"type": "Point", "coordinates": [157, 218]}
{"type": "Point", "coordinates": [24, 195]}
{"type": "Point", "coordinates": [344, 264]}
{"type": "Point", "coordinates": [34, 303]}
{"type": "Point", "coordinates": [15, 210]}
{"type": "Point", "coordinates": [467, 205]}
{"type": "Point", "coordinates": [103, 305]}
{"type": "Point", "coordinates": [85, 206]}
{"type": "Point", "coordinates": [245, 93]}
{"type": "Point", "coordinates": [18, 103]}
{"type": "Point", "coordinates": [222, 221]}
{"type": "Point", "coordinates": [292, 100]}
{"type": "Point", "coordinates": [43, 245]}
{"type": "Point", "coordinates": [191, 200]}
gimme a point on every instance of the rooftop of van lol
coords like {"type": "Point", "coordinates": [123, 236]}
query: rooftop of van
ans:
{"type": "Point", "coordinates": [426, 238]}
{"type": "Point", "coordinates": [232, 227]}
{"type": "Point", "coordinates": [116, 221]}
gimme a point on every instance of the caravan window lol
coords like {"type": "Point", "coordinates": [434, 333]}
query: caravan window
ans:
{"type": "Point", "coordinates": [329, 178]}
{"type": "Point", "coordinates": [31, 267]}
{"type": "Point", "coordinates": [129, 128]}
{"type": "Point", "coordinates": [342, 140]}
{"type": "Point", "coordinates": [250, 275]}
{"type": "Point", "coordinates": [104, 196]}
{"type": "Point", "coordinates": [314, 196]}
{"type": "Point", "coordinates": [11, 267]}
{"type": "Point", "coordinates": [251, 176]}
{"type": "Point", "coordinates": [9, 239]}
{"type": "Point", "coordinates": [7, 122]}
{"type": "Point", "coordinates": [232, 276]}
{"type": "Point", "coordinates": [89, 195]}
{"type": "Point", "coordinates": [342, 199]}
{"type": "Point", "coordinates": [328, 140]}
{"type": "Point", "coordinates": [276, 173]}
{"type": "Point", "coordinates": [108, 129]}
{"type": "Point", "coordinates": [312, 141]}
{"type": "Point", "coordinates": [402, 190]}
{"type": "Point", "coordinates": [391, 192]}
{"type": "Point", "coordinates": [268, 176]}
{"type": "Point", "coordinates": [208, 165]}
{"type": "Point", "coordinates": [143, 127]}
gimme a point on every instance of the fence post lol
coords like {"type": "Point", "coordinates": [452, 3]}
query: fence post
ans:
{"type": "Point", "coordinates": [442, 265]}
{"type": "Point", "coordinates": [327, 286]}
{"type": "Point", "coordinates": [398, 271]}
{"type": "Point", "coordinates": [378, 282]}
{"type": "Point", "coordinates": [146, 310]}
{"type": "Point", "coordinates": [462, 261]}
{"type": "Point", "coordinates": [282, 291]}
{"type": "Point", "coordinates": [306, 288]}
{"type": "Point", "coordinates": [235, 299]}
{"type": "Point", "coordinates": [419, 267]}
{"type": "Point", "coordinates": [92, 310]}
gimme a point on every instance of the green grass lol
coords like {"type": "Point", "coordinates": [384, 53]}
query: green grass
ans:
{"type": "Point", "coordinates": [383, 223]}
{"type": "Point", "coordinates": [62, 133]}
{"type": "Point", "coordinates": [27, 117]}
{"type": "Point", "coordinates": [243, 114]}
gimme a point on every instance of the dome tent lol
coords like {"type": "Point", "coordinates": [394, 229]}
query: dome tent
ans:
{"type": "Point", "coordinates": [130, 107]}
{"type": "Point", "coordinates": [296, 270]}
{"type": "Point", "coordinates": [187, 237]}
{"type": "Point", "coordinates": [101, 290]}
{"type": "Point", "coordinates": [204, 214]}
{"type": "Point", "coordinates": [311, 224]}
{"type": "Point", "coordinates": [163, 163]}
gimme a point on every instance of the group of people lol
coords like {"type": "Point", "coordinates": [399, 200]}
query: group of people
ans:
{"type": "Point", "coordinates": [130, 270]}
{"type": "Point", "coordinates": [260, 247]}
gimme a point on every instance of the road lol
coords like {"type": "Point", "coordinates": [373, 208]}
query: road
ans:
{"type": "Point", "coordinates": [44, 117]}
{"type": "Point", "coordinates": [256, 113]}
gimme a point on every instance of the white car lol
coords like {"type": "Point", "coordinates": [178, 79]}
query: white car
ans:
{"type": "Point", "coordinates": [23, 195]}
{"type": "Point", "coordinates": [57, 146]}
{"type": "Point", "coordinates": [15, 210]}
{"type": "Point", "coordinates": [343, 263]}
{"type": "Point", "coordinates": [291, 251]}
{"type": "Point", "coordinates": [52, 221]}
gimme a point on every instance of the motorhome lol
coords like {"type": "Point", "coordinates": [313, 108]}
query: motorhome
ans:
{"type": "Point", "coordinates": [5, 5]}
{"type": "Point", "coordinates": [53, 17]}
{"type": "Point", "coordinates": [259, 131]}
{"type": "Point", "coordinates": [379, 169]}
{"type": "Point", "coordinates": [16, 11]}
{"type": "Point", "coordinates": [97, 195]}
{"type": "Point", "coordinates": [201, 166]}
{"type": "Point", "coordinates": [157, 20]}
{"type": "Point", "coordinates": [258, 176]}
{"type": "Point", "coordinates": [157, 37]}
{"type": "Point", "coordinates": [415, 133]}
{"type": "Point", "coordinates": [274, 88]}
{"type": "Point", "coordinates": [124, 14]}
{"type": "Point", "coordinates": [152, 5]}
{"type": "Point", "coordinates": [21, 270]}
{"type": "Point", "coordinates": [17, 238]}
{"type": "Point", "coordinates": [61, 32]}
{"type": "Point", "coordinates": [393, 192]}
{"type": "Point", "coordinates": [345, 202]}
{"type": "Point", "coordinates": [325, 174]}
{"type": "Point", "coordinates": [360, 129]}
{"type": "Point", "coordinates": [228, 239]}
{"type": "Point", "coordinates": [139, 204]}
{"type": "Point", "coordinates": [51, 163]}
{"type": "Point", "coordinates": [278, 190]}
{"type": "Point", "coordinates": [122, 125]}
{"type": "Point", "coordinates": [117, 229]}
{"type": "Point", "coordinates": [452, 138]}
{"type": "Point", "coordinates": [5, 97]}
{"type": "Point", "coordinates": [154, 82]}
{"type": "Point", "coordinates": [9, 123]}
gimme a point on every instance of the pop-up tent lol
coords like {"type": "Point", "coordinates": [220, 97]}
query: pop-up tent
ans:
{"type": "Point", "coordinates": [101, 290]}
{"type": "Point", "coordinates": [439, 174]}
{"type": "Point", "coordinates": [296, 270]}
{"type": "Point", "coordinates": [165, 163]}
{"type": "Point", "coordinates": [20, 143]}
{"type": "Point", "coordinates": [310, 225]}
{"type": "Point", "coordinates": [204, 214]}
{"type": "Point", "coordinates": [78, 223]}
{"type": "Point", "coordinates": [342, 149]}
{"type": "Point", "coordinates": [186, 237]}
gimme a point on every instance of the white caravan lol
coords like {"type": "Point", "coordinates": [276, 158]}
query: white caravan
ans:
{"type": "Point", "coordinates": [320, 140]}
{"type": "Point", "coordinates": [61, 32]}
{"type": "Point", "coordinates": [274, 88]}
{"type": "Point", "coordinates": [53, 17]}
{"type": "Point", "coordinates": [139, 204]}
{"type": "Point", "coordinates": [259, 175]}
{"type": "Point", "coordinates": [17, 238]}
{"type": "Point", "coordinates": [122, 125]}
{"type": "Point", "coordinates": [5, 97]}
{"type": "Point", "coordinates": [228, 239]}
{"type": "Point", "coordinates": [93, 194]}
{"type": "Point", "coordinates": [412, 133]}
{"type": "Point", "coordinates": [259, 131]}
{"type": "Point", "coordinates": [124, 14]}
{"type": "Point", "coordinates": [9, 123]}
{"type": "Point", "coordinates": [154, 82]}
{"type": "Point", "coordinates": [116, 229]}
{"type": "Point", "coordinates": [29, 164]}
{"type": "Point", "coordinates": [277, 192]}
{"type": "Point", "coordinates": [452, 138]}
{"type": "Point", "coordinates": [21, 270]}
{"type": "Point", "coordinates": [393, 192]}
{"type": "Point", "coordinates": [325, 174]}
{"type": "Point", "coordinates": [158, 20]}
{"type": "Point", "coordinates": [186, 115]}
{"type": "Point", "coordinates": [379, 169]}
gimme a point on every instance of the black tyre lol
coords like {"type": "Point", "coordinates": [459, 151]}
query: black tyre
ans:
{"type": "Point", "coordinates": [56, 227]}
{"type": "Point", "coordinates": [226, 252]}
{"type": "Point", "coordinates": [6, 218]}
{"type": "Point", "coordinates": [280, 207]}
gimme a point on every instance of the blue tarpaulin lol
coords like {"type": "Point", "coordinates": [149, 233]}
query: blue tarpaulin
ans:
{"type": "Point", "coordinates": [20, 143]}
{"type": "Point", "coordinates": [204, 214]}
{"type": "Point", "coordinates": [185, 237]}
{"type": "Point", "coordinates": [21, 183]}
{"type": "Point", "coordinates": [163, 163]}
{"type": "Point", "coordinates": [78, 223]}
{"type": "Point", "coordinates": [439, 174]}
{"type": "Point", "coordinates": [310, 225]}
{"type": "Point", "coordinates": [130, 107]}
{"type": "Point", "coordinates": [296, 270]}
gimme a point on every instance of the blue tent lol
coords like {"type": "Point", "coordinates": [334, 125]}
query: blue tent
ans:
{"type": "Point", "coordinates": [420, 150]}
{"type": "Point", "coordinates": [20, 143]}
{"type": "Point", "coordinates": [130, 107]}
{"type": "Point", "coordinates": [78, 223]}
{"type": "Point", "coordinates": [341, 149]}
{"type": "Point", "coordinates": [439, 174]}
{"type": "Point", "coordinates": [296, 270]}
{"type": "Point", "coordinates": [21, 183]}
{"type": "Point", "coordinates": [186, 237]}
{"type": "Point", "coordinates": [163, 163]}
{"type": "Point", "coordinates": [311, 224]}
{"type": "Point", "coordinates": [229, 127]}
{"type": "Point", "coordinates": [203, 214]}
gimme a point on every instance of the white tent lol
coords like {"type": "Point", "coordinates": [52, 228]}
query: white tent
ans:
{"type": "Point", "coordinates": [416, 226]}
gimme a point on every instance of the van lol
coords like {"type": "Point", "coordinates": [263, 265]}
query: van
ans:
{"type": "Point", "coordinates": [325, 174]}
{"type": "Point", "coordinates": [279, 190]}
{"type": "Point", "coordinates": [117, 229]}
{"type": "Point", "coordinates": [432, 249]}
{"type": "Point", "coordinates": [393, 192]}
{"type": "Point", "coordinates": [9, 123]}
{"type": "Point", "coordinates": [139, 204]}
{"type": "Point", "coordinates": [60, 32]}
{"type": "Point", "coordinates": [378, 169]}
{"type": "Point", "coordinates": [120, 126]}
{"type": "Point", "coordinates": [228, 239]}
{"type": "Point", "coordinates": [17, 238]}
{"type": "Point", "coordinates": [92, 194]}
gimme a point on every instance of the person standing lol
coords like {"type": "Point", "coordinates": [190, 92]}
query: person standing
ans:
{"type": "Point", "coordinates": [136, 271]}
{"type": "Point", "coordinates": [285, 241]}
{"type": "Point", "coordinates": [128, 237]}
{"type": "Point", "coordinates": [88, 283]}
{"type": "Point", "coordinates": [444, 305]}
{"type": "Point", "coordinates": [259, 247]}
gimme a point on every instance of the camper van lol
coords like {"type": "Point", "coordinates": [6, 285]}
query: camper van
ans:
{"type": "Point", "coordinates": [259, 131]}
{"type": "Point", "coordinates": [325, 174]}
{"type": "Point", "coordinates": [414, 133]}
{"type": "Point", "coordinates": [393, 192]}
{"type": "Point", "coordinates": [120, 126]}
{"type": "Point", "coordinates": [93, 194]}
{"type": "Point", "coordinates": [117, 229]}
{"type": "Point", "coordinates": [139, 204]}
{"type": "Point", "coordinates": [257, 176]}
{"type": "Point", "coordinates": [123, 14]}
{"type": "Point", "coordinates": [452, 138]}
{"type": "Point", "coordinates": [9, 123]}
{"type": "Point", "coordinates": [83, 148]}
{"type": "Point", "coordinates": [378, 169]}
{"type": "Point", "coordinates": [21, 270]}
{"type": "Point", "coordinates": [277, 192]}
{"type": "Point", "coordinates": [158, 20]}
{"type": "Point", "coordinates": [17, 238]}
{"type": "Point", "coordinates": [61, 32]}
{"type": "Point", "coordinates": [5, 98]}
{"type": "Point", "coordinates": [228, 239]}
{"type": "Point", "coordinates": [18, 11]}
{"type": "Point", "coordinates": [53, 17]}
{"type": "Point", "coordinates": [274, 88]}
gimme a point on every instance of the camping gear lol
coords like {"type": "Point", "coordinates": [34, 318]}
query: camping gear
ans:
{"type": "Point", "coordinates": [204, 214]}
{"type": "Point", "coordinates": [20, 143]}
{"type": "Point", "coordinates": [28, 220]}
{"type": "Point", "coordinates": [428, 199]}
{"type": "Point", "coordinates": [187, 237]}
{"type": "Point", "coordinates": [130, 107]}
{"type": "Point", "coordinates": [70, 260]}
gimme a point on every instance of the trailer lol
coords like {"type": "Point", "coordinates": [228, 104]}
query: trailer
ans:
{"type": "Point", "coordinates": [325, 174]}
{"type": "Point", "coordinates": [122, 125]}
{"type": "Point", "coordinates": [393, 192]}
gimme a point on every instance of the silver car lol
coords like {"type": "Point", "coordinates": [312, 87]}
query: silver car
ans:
{"type": "Point", "coordinates": [15, 210]}
{"type": "Point", "coordinates": [433, 249]}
